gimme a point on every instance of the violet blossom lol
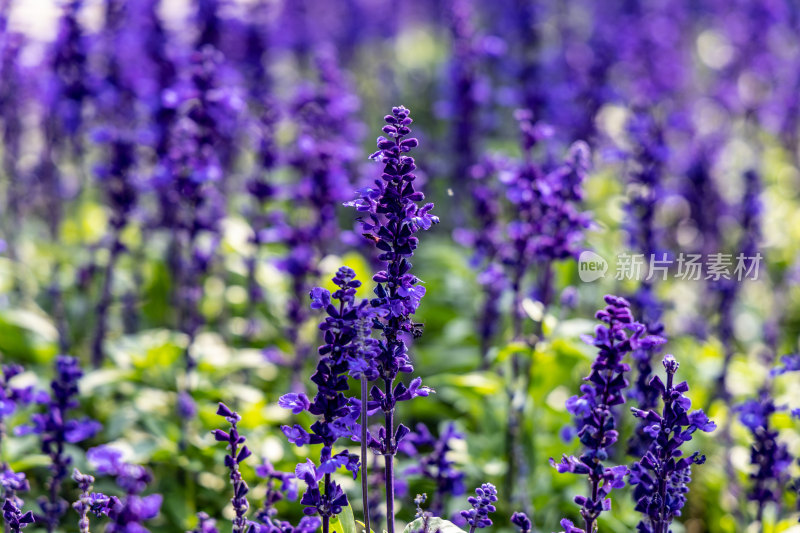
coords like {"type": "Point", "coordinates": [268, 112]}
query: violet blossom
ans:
{"type": "Point", "coordinates": [660, 478]}
{"type": "Point", "coordinates": [594, 409]}
{"type": "Point", "coordinates": [238, 452]}
{"type": "Point", "coordinates": [56, 429]}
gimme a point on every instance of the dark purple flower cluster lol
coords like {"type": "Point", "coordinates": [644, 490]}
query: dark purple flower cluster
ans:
{"type": "Point", "coordinates": [769, 456]}
{"type": "Point", "coordinates": [594, 409]}
{"type": "Point", "coordinates": [238, 452]}
{"type": "Point", "coordinates": [15, 519]}
{"type": "Point", "coordinates": [482, 504]}
{"type": "Point", "coordinates": [486, 242]}
{"type": "Point", "coordinates": [549, 224]}
{"type": "Point", "coordinates": [546, 224]}
{"type": "Point", "coordinates": [11, 397]}
{"type": "Point", "coordinates": [205, 524]}
{"type": "Point", "coordinates": [68, 90]}
{"type": "Point", "coordinates": [432, 461]}
{"type": "Point", "coordinates": [94, 502]}
{"type": "Point", "coordinates": [132, 510]}
{"type": "Point", "coordinates": [522, 522]}
{"type": "Point", "coordinates": [661, 477]}
{"type": "Point", "coordinates": [467, 90]}
{"type": "Point", "coordinates": [269, 523]}
{"type": "Point", "coordinates": [12, 483]}
{"type": "Point", "coordinates": [56, 429]}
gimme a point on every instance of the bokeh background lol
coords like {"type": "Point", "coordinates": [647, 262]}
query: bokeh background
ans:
{"type": "Point", "coordinates": [690, 110]}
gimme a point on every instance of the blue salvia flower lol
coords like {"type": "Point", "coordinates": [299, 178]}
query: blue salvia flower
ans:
{"type": "Point", "coordinates": [65, 95]}
{"type": "Point", "coordinates": [435, 463]}
{"type": "Point", "coordinates": [260, 190]}
{"type": "Point", "coordinates": [205, 524]}
{"type": "Point", "coordinates": [486, 241]}
{"type": "Point", "coordinates": [788, 363]}
{"type": "Point", "coordinates": [88, 501]}
{"type": "Point", "coordinates": [463, 100]}
{"type": "Point", "coordinates": [68, 90]}
{"type": "Point", "coordinates": [593, 410]}
{"type": "Point", "coordinates": [13, 100]}
{"type": "Point", "coordinates": [238, 452]}
{"type": "Point", "coordinates": [391, 218]}
{"type": "Point", "coordinates": [56, 429]}
{"type": "Point", "coordinates": [158, 74]}
{"type": "Point", "coordinates": [569, 527]}
{"type": "Point", "coordinates": [482, 504]}
{"type": "Point", "coordinates": [647, 155]}
{"type": "Point", "coordinates": [288, 488]}
{"type": "Point", "coordinates": [548, 225]}
{"type": "Point", "coordinates": [661, 477]}
{"type": "Point", "coordinates": [749, 217]}
{"type": "Point", "coordinates": [326, 148]}
{"type": "Point", "coordinates": [116, 179]}
{"type": "Point", "coordinates": [209, 23]}
{"type": "Point", "coordinates": [11, 397]}
{"type": "Point", "coordinates": [15, 519]}
{"type": "Point", "coordinates": [188, 185]}
{"type": "Point", "coordinates": [522, 522]}
{"type": "Point", "coordinates": [12, 483]}
{"type": "Point", "coordinates": [338, 414]}
{"type": "Point", "coordinates": [131, 511]}
{"type": "Point", "coordinates": [769, 456]}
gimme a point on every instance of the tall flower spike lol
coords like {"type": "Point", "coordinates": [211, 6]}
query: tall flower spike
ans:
{"type": "Point", "coordinates": [342, 354]}
{"type": "Point", "coordinates": [324, 157]}
{"type": "Point", "coordinates": [391, 217]}
{"type": "Point", "coordinates": [648, 156]}
{"type": "Point", "coordinates": [238, 453]}
{"type": "Point", "coordinates": [769, 456]}
{"type": "Point", "coordinates": [593, 410]}
{"type": "Point", "coordinates": [661, 477]}
{"type": "Point", "coordinates": [56, 429]}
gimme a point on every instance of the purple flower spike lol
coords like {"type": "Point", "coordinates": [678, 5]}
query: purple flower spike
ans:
{"type": "Point", "coordinates": [391, 216]}
{"type": "Point", "coordinates": [596, 424]}
{"type": "Point", "coordinates": [56, 428]}
{"type": "Point", "coordinates": [661, 477]}
{"type": "Point", "coordinates": [238, 452]}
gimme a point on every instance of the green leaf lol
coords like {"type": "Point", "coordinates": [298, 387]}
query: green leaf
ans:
{"type": "Point", "coordinates": [435, 525]}
{"type": "Point", "coordinates": [344, 522]}
{"type": "Point", "coordinates": [514, 347]}
{"type": "Point", "coordinates": [363, 527]}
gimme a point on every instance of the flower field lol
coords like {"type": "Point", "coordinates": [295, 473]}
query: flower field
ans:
{"type": "Point", "coordinates": [559, 293]}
